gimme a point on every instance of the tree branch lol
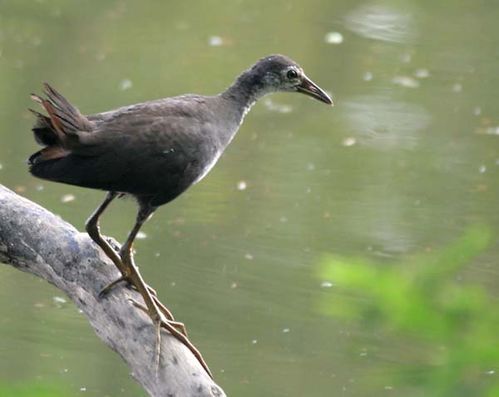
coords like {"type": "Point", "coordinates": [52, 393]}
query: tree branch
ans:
{"type": "Point", "coordinates": [36, 241]}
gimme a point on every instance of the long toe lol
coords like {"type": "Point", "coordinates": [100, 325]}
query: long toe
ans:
{"type": "Point", "coordinates": [112, 285]}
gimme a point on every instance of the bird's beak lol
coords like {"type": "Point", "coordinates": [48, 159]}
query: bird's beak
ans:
{"type": "Point", "coordinates": [308, 87]}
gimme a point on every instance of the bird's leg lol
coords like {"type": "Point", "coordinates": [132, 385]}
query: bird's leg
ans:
{"type": "Point", "coordinates": [151, 303]}
{"type": "Point", "coordinates": [92, 228]}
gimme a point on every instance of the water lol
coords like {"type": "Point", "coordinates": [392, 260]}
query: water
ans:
{"type": "Point", "coordinates": [402, 166]}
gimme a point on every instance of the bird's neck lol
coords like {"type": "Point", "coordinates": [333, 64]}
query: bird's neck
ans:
{"type": "Point", "coordinates": [238, 100]}
{"type": "Point", "coordinates": [246, 90]}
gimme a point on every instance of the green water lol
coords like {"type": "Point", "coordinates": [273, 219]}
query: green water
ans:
{"type": "Point", "coordinates": [403, 166]}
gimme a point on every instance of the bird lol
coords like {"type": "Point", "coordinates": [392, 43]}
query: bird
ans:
{"type": "Point", "coordinates": [152, 151]}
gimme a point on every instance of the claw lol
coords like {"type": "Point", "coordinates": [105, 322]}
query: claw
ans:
{"type": "Point", "coordinates": [177, 324]}
{"type": "Point", "coordinates": [126, 279]}
{"type": "Point", "coordinates": [111, 285]}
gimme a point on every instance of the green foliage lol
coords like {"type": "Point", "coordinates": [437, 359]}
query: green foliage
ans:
{"type": "Point", "coordinates": [453, 325]}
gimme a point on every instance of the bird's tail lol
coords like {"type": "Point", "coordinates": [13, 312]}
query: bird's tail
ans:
{"type": "Point", "coordinates": [58, 130]}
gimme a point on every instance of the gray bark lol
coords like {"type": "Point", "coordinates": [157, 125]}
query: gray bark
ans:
{"type": "Point", "coordinates": [36, 241]}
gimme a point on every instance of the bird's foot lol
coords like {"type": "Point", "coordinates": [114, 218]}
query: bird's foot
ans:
{"type": "Point", "coordinates": [159, 313]}
{"type": "Point", "coordinates": [164, 310]}
{"type": "Point", "coordinates": [175, 328]}
{"type": "Point", "coordinates": [128, 281]}
{"type": "Point", "coordinates": [104, 291]}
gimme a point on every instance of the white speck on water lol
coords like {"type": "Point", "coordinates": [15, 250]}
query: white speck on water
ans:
{"type": "Point", "coordinates": [406, 58]}
{"type": "Point", "coordinates": [173, 284]}
{"type": "Point", "coordinates": [310, 167]}
{"type": "Point", "coordinates": [141, 235]}
{"type": "Point", "coordinates": [83, 389]}
{"type": "Point", "coordinates": [56, 12]}
{"type": "Point", "coordinates": [168, 151]}
{"type": "Point", "coordinates": [242, 185]}
{"type": "Point", "coordinates": [277, 107]}
{"type": "Point", "coordinates": [368, 76]}
{"type": "Point", "coordinates": [333, 38]}
{"type": "Point", "coordinates": [65, 370]}
{"type": "Point", "coordinates": [491, 372]}
{"type": "Point", "coordinates": [349, 141]}
{"type": "Point", "coordinates": [326, 284]}
{"type": "Point", "coordinates": [248, 256]}
{"type": "Point", "coordinates": [388, 387]}
{"type": "Point", "coordinates": [39, 188]}
{"type": "Point", "coordinates": [234, 285]}
{"type": "Point", "coordinates": [405, 81]}
{"type": "Point", "coordinates": [157, 254]}
{"type": "Point", "coordinates": [492, 130]}
{"type": "Point", "coordinates": [1, 166]}
{"type": "Point", "coordinates": [308, 190]}
{"type": "Point", "coordinates": [422, 73]}
{"type": "Point", "coordinates": [477, 111]}
{"type": "Point", "coordinates": [285, 330]}
{"type": "Point", "coordinates": [254, 341]}
{"type": "Point", "coordinates": [100, 56]}
{"type": "Point", "coordinates": [67, 198]}
{"type": "Point", "coordinates": [59, 299]}
{"type": "Point", "coordinates": [457, 87]}
{"type": "Point", "coordinates": [36, 41]}
{"type": "Point", "coordinates": [283, 219]}
{"type": "Point", "coordinates": [125, 84]}
{"type": "Point", "coordinates": [215, 41]}
{"type": "Point", "coordinates": [482, 169]}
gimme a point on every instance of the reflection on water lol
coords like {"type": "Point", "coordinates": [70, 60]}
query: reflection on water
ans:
{"type": "Point", "coordinates": [391, 180]}
{"type": "Point", "coordinates": [383, 123]}
{"type": "Point", "coordinates": [382, 22]}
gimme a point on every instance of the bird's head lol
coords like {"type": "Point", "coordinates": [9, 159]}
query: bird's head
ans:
{"type": "Point", "coordinates": [280, 73]}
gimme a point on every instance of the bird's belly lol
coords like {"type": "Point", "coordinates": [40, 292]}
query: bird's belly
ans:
{"type": "Point", "coordinates": [171, 180]}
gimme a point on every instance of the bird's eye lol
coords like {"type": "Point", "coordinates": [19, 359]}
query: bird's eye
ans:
{"type": "Point", "coordinates": [292, 74]}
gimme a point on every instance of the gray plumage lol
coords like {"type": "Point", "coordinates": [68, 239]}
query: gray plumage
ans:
{"type": "Point", "coordinates": [153, 150]}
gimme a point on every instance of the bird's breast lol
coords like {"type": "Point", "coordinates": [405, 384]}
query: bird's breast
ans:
{"type": "Point", "coordinates": [207, 166]}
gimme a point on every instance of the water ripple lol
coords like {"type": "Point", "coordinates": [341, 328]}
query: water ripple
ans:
{"type": "Point", "coordinates": [380, 22]}
{"type": "Point", "coordinates": [384, 123]}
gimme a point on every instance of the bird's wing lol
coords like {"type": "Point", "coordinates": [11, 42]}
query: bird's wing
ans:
{"type": "Point", "coordinates": [145, 128]}
{"type": "Point", "coordinates": [65, 130]}
{"type": "Point", "coordinates": [134, 157]}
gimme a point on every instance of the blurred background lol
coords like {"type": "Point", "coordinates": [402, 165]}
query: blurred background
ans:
{"type": "Point", "coordinates": [344, 251]}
